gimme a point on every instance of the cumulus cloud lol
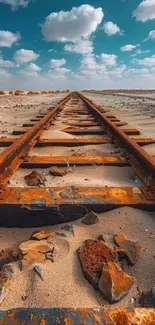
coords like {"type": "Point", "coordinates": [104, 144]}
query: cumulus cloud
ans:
{"type": "Point", "coordinates": [32, 67]}
{"type": "Point", "coordinates": [138, 52]}
{"type": "Point", "coordinates": [151, 35]}
{"type": "Point", "coordinates": [4, 74]}
{"type": "Point", "coordinates": [145, 11]}
{"type": "Point", "coordinates": [148, 61]}
{"type": "Point", "coordinates": [82, 47]}
{"type": "Point", "coordinates": [24, 56]}
{"type": "Point", "coordinates": [111, 29]}
{"type": "Point", "coordinates": [128, 47]}
{"type": "Point", "coordinates": [57, 63]}
{"type": "Point", "coordinates": [108, 59]}
{"type": "Point", "coordinates": [6, 63]}
{"type": "Point", "coordinates": [8, 38]}
{"type": "Point", "coordinates": [79, 22]}
{"type": "Point", "coordinates": [15, 3]}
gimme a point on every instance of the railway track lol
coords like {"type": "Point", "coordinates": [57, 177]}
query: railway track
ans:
{"type": "Point", "coordinates": [82, 124]}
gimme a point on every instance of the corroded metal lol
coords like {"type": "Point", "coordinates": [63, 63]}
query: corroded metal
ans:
{"type": "Point", "coordinates": [47, 161]}
{"type": "Point", "coordinates": [79, 316]}
{"type": "Point", "coordinates": [4, 142]}
{"type": "Point", "coordinates": [141, 161]}
{"type": "Point", "coordinates": [11, 158]}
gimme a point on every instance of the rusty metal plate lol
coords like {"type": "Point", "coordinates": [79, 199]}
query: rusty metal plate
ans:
{"type": "Point", "coordinates": [4, 142]}
{"type": "Point", "coordinates": [79, 316]}
{"type": "Point", "coordinates": [47, 161]}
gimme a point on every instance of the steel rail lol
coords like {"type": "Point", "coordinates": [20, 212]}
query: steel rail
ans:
{"type": "Point", "coordinates": [141, 161]}
{"type": "Point", "coordinates": [12, 157]}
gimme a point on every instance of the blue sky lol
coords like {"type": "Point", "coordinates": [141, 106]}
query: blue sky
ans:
{"type": "Point", "coordinates": [55, 44]}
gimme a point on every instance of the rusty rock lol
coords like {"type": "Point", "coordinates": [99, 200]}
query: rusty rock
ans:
{"type": "Point", "coordinates": [43, 234]}
{"type": "Point", "coordinates": [34, 179]}
{"type": "Point", "coordinates": [90, 218]}
{"type": "Point", "coordinates": [32, 257]}
{"type": "Point", "coordinates": [114, 283]}
{"type": "Point", "coordinates": [56, 171]}
{"type": "Point", "coordinates": [147, 298]}
{"type": "Point", "coordinates": [92, 255]}
{"type": "Point", "coordinates": [131, 249]}
{"type": "Point", "coordinates": [41, 246]}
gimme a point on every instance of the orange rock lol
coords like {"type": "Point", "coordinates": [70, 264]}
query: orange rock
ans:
{"type": "Point", "coordinates": [92, 257]}
{"type": "Point", "coordinates": [32, 257]}
{"type": "Point", "coordinates": [131, 249]}
{"type": "Point", "coordinates": [34, 179]}
{"type": "Point", "coordinates": [43, 234]}
{"type": "Point", "coordinates": [56, 171]}
{"type": "Point", "coordinates": [40, 246]}
{"type": "Point", "coordinates": [114, 283]}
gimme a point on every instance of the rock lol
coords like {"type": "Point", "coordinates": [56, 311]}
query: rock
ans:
{"type": "Point", "coordinates": [41, 246]}
{"type": "Point", "coordinates": [8, 256]}
{"type": "Point", "coordinates": [93, 255]}
{"type": "Point", "coordinates": [6, 276]}
{"type": "Point", "coordinates": [55, 171]}
{"type": "Point", "coordinates": [38, 269]}
{"type": "Point", "coordinates": [131, 249]}
{"type": "Point", "coordinates": [32, 257]}
{"type": "Point", "coordinates": [69, 228]}
{"type": "Point", "coordinates": [34, 179]}
{"type": "Point", "coordinates": [43, 234]}
{"type": "Point", "coordinates": [90, 218]}
{"type": "Point", "coordinates": [61, 234]}
{"type": "Point", "coordinates": [147, 299]}
{"type": "Point", "coordinates": [114, 283]}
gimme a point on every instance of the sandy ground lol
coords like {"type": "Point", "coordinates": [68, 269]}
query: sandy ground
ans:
{"type": "Point", "coordinates": [64, 284]}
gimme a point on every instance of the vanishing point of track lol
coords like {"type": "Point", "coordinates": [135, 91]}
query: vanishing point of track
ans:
{"type": "Point", "coordinates": [21, 205]}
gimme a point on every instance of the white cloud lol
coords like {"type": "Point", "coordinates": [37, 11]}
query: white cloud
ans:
{"type": "Point", "coordinates": [108, 59]}
{"type": "Point", "coordinates": [128, 47]}
{"type": "Point", "coordinates": [32, 67]}
{"type": "Point", "coordinates": [151, 35]}
{"type": "Point", "coordinates": [15, 3]}
{"type": "Point", "coordinates": [111, 29]}
{"type": "Point", "coordinates": [79, 22]}
{"type": "Point", "coordinates": [149, 61]}
{"type": "Point", "coordinates": [138, 52]}
{"type": "Point", "coordinates": [82, 47]}
{"type": "Point", "coordinates": [6, 63]}
{"type": "Point", "coordinates": [145, 11]}
{"type": "Point", "coordinates": [24, 56]}
{"type": "Point", "coordinates": [57, 63]}
{"type": "Point", "coordinates": [4, 74]}
{"type": "Point", "coordinates": [8, 38]}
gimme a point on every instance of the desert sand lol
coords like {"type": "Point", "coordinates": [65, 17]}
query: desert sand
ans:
{"type": "Point", "coordinates": [64, 284]}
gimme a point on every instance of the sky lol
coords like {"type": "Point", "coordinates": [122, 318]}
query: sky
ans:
{"type": "Point", "coordinates": [94, 44]}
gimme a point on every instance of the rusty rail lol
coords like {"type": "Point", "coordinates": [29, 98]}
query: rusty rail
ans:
{"type": "Point", "coordinates": [80, 316]}
{"type": "Point", "coordinates": [13, 156]}
{"type": "Point", "coordinates": [141, 161]}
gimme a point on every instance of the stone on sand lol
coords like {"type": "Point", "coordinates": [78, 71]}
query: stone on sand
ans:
{"type": "Point", "coordinates": [90, 218]}
{"type": "Point", "coordinates": [43, 234]}
{"type": "Point", "coordinates": [131, 249]}
{"type": "Point", "coordinates": [147, 298]}
{"type": "Point", "coordinates": [34, 179]}
{"type": "Point", "coordinates": [56, 171]}
{"type": "Point", "coordinates": [92, 255]}
{"type": "Point", "coordinates": [114, 283]}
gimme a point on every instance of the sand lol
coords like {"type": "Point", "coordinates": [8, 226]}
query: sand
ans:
{"type": "Point", "coordinates": [64, 284]}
